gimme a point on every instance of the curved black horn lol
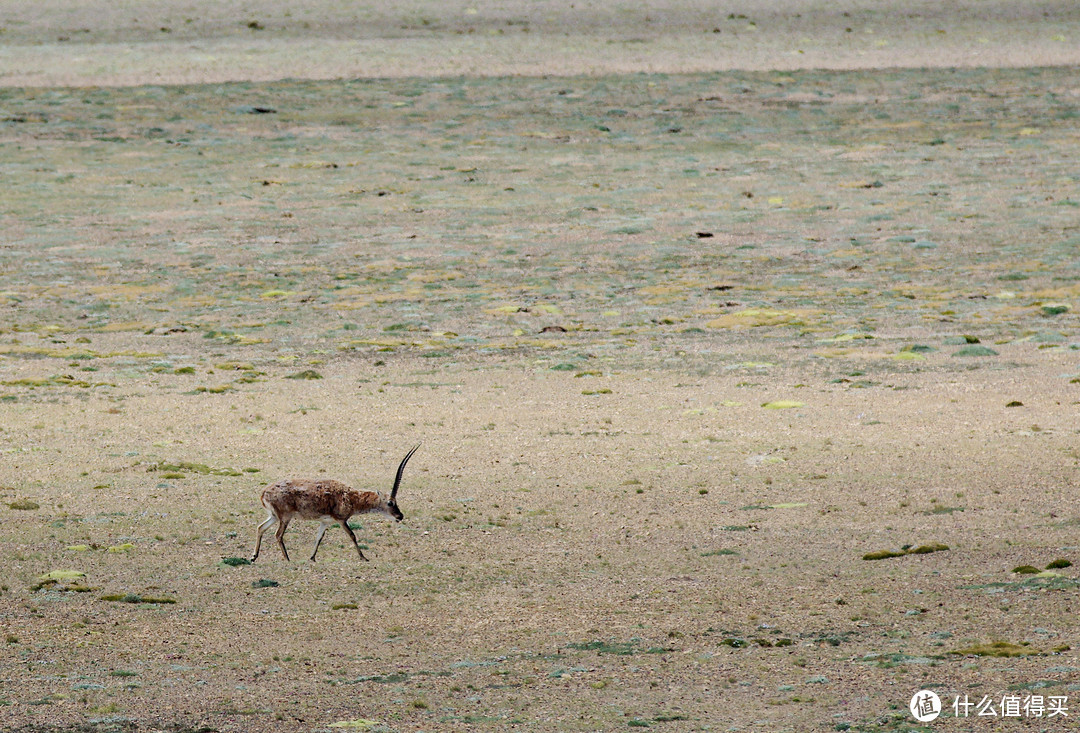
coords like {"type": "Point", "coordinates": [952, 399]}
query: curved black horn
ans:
{"type": "Point", "coordinates": [401, 470]}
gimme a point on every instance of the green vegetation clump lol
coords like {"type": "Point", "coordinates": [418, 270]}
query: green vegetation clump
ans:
{"type": "Point", "coordinates": [925, 549]}
{"type": "Point", "coordinates": [975, 350]}
{"type": "Point", "coordinates": [920, 550]}
{"type": "Point", "coordinates": [1026, 570]}
{"type": "Point", "coordinates": [883, 554]}
{"type": "Point", "coordinates": [24, 504]}
{"type": "Point", "coordinates": [235, 561]}
{"type": "Point", "coordinates": [1059, 563]}
{"type": "Point", "coordinates": [305, 374]}
{"type": "Point", "coordinates": [135, 598]}
{"type": "Point", "coordinates": [186, 466]}
{"type": "Point", "coordinates": [997, 649]}
{"type": "Point", "coordinates": [621, 648]}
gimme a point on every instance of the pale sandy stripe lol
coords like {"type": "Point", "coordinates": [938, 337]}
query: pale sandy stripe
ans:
{"type": "Point", "coordinates": [184, 62]}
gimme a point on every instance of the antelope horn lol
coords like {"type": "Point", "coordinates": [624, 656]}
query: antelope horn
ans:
{"type": "Point", "coordinates": [401, 470]}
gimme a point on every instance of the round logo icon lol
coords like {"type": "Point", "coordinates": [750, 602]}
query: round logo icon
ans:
{"type": "Point", "coordinates": [925, 706]}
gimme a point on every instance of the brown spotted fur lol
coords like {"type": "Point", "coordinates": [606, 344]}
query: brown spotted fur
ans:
{"type": "Point", "coordinates": [325, 500]}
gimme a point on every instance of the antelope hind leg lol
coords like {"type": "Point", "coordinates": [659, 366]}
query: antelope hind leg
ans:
{"type": "Point", "coordinates": [266, 524]}
{"type": "Point", "coordinates": [282, 526]}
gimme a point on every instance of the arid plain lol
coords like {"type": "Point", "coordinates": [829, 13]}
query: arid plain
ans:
{"type": "Point", "coordinates": [741, 343]}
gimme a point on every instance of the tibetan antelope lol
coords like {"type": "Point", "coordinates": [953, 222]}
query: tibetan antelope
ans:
{"type": "Point", "coordinates": [327, 501]}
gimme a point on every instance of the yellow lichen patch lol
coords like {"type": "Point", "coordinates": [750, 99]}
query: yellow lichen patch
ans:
{"type": "Point", "coordinates": [276, 294]}
{"type": "Point", "coordinates": [62, 575]}
{"type": "Point", "coordinates": [28, 382]}
{"type": "Point", "coordinates": [848, 337]}
{"type": "Point", "coordinates": [246, 340]}
{"type": "Point", "coordinates": [836, 353]}
{"type": "Point", "coordinates": [523, 343]}
{"type": "Point", "coordinates": [21, 350]}
{"type": "Point", "coordinates": [386, 343]}
{"type": "Point", "coordinates": [761, 317]}
{"type": "Point", "coordinates": [783, 404]}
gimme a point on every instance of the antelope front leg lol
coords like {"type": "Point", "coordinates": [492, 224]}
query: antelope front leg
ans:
{"type": "Point", "coordinates": [348, 529]}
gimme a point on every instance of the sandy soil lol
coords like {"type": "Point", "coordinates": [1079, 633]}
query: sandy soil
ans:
{"type": "Point", "coordinates": [687, 352]}
{"type": "Point", "coordinates": [186, 42]}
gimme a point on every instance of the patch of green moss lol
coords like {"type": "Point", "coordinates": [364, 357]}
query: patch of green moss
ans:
{"type": "Point", "coordinates": [920, 550]}
{"type": "Point", "coordinates": [925, 549]}
{"type": "Point", "coordinates": [305, 374]}
{"type": "Point", "coordinates": [135, 598]}
{"type": "Point", "coordinates": [188, 467]}
{"type": "Point", "coordinates": [997, 649]}
{"type": "Point", "coordinates": [235, 561]}
{"type": "Point", "coordinates": [975, 350]}
{"type": "Point", "coordinates": [1026, 570]}
{"type": "Point", "coordinates": [621, 648]}
{"type": "Point", "coordinates": [883, 554]}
